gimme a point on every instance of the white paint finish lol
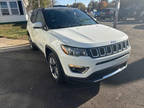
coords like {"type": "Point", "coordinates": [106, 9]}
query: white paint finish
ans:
{"type": "Point", "coordinates": [82, 36]}
{"type": "Point", "coordinates": [13, 18]}
{"type": "Point", "coordinates": [89, 36]}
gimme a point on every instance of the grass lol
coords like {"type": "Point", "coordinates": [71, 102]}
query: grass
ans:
{"type": "Point", "coordinates": [13, 30]}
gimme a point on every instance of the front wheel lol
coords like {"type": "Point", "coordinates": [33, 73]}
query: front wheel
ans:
{"type": "Point", "coordinates": [55, 68]}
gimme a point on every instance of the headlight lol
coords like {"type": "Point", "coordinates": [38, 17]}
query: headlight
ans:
{"type": "Point", "coordinates": [74, 51]}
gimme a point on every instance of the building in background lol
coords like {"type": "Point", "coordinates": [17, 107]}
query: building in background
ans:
{"type": "Point", "coordinates": [13, 11]}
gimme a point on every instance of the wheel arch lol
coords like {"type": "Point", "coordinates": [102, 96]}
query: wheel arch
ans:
{"type": "Point", "coordinates": [49, 50]}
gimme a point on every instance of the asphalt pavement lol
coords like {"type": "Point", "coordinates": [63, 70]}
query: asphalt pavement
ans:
{"type": "Point", "coordinates": [25, 81]}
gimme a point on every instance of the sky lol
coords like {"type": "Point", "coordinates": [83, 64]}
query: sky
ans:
{"type": "Point", "coordinates": [64, 2]}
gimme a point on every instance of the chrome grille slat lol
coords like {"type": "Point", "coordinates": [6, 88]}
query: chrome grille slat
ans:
{"type": "Point", "coordinates": [94, 54]}
{"type": "Point", "coordinates": [102, 51]}
{"type": "Point", "coordinates": [115, 48]}
{"type": "Point", "coordinates": [109, 49]}
{"type": "Point", "coordinates": [124, 45]}
{"type": "Point", "coordinates": [119, 47]}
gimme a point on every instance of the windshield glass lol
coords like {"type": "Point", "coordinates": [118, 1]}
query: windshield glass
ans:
{"type": "Point", "coordinates": [62, 18]}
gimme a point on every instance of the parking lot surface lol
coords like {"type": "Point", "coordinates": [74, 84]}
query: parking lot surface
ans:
{"type": "Point", "coordinates": [26, 83]}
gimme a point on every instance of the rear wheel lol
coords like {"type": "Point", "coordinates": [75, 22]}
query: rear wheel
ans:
{"type": "Point", "coordinates": [55, 68]}
{"type": "Point", "coordinates": [32, 45]}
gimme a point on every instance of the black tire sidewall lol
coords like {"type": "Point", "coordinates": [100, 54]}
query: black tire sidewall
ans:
{"type": "Point", "coordinates": [60, 78]}
{"type": "Point", "coordinates": [33, 46]}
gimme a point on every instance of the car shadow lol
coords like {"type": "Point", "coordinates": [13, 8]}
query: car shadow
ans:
{"type": "Point", "coordinates": [139, 27]}
{"type": "Point", "coordinates": [134, 72]}
{"type": "Point", "coordinates": [1, 36]}
{"type": "Point", "coordinates": [21, 24]}
{"type": "Point", "coordinates": [26, 83]}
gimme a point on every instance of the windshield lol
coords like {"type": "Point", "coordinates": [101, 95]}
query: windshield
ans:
{"type": "Point", "coordinates": [62, 18]}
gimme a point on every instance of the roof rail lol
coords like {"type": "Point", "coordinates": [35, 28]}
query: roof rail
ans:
{"type": "Point", "coordinates": [59, 6]}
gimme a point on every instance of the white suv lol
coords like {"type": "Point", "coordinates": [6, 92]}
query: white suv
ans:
{"type": "Point", "coordinates": [76, 46]}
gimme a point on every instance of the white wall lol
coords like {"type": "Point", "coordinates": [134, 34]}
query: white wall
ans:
{"type": "Point", "coordinates": [12, 18]}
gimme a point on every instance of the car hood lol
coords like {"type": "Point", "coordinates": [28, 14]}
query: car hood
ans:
{"type": "Point", "coordinates": [89, 36]}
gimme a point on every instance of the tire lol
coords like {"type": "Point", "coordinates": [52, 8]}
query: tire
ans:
{"type": "Point", "coordinates": [55, 68]}
{"type": "Point", "coordinates": [32, 45]}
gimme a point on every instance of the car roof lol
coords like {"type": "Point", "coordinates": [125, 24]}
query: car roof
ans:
{"type": "Point", "coordinates": [59, 8]}
{"type": "Point", "coordinates": [53, 8]}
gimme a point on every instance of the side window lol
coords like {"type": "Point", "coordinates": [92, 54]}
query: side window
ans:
{"type": "Point", "coordinates": [14, 8]}
{"type": "Point", "coordinates": [33, 16]}
{"type": "Point", "coordinates": [4, 8]}
{"type": "Point", "coordinates": [40, 18]}
{"type": "Point", "coordinates": [20, 7]}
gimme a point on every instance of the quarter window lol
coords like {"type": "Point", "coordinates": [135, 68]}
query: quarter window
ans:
{"type": "Point", "coordinates": [40, 18]}
{"type": "Point", "coordinates": [4, 8]}
{"type": "Point", "coordinates": [33, 16]}
{"type": "Point", "coordinates": [14, 8]}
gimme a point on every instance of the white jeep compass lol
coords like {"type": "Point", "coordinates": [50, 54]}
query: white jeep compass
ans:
{"type": "Point", "coordinates": [76, 46]}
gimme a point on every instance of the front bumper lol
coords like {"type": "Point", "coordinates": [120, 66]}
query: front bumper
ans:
{"type": "Point", "coordinates": [100, 75]}
{"type": "Point", "coordinates": [95, 64]}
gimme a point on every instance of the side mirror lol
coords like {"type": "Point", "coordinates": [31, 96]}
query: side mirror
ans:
{"type": "Point", "coordinates": [37, 25]}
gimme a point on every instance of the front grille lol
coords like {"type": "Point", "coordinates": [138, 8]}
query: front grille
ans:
{"type": "Point", "coordinates": [119, 46]}
{"type": "Point", "coordinates": [124, 45]}
{"type": "Point", "coordinates": [102, 51]}
{"type": "Point", "coordinates": [94, 52]}
{"type": "Point", "coordinates": [109, 50]}
{"type": "Point", "coordinates": [114, 48]}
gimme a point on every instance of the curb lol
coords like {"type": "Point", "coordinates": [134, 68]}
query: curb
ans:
{"type": "Point", "coordinates": [14, 48]}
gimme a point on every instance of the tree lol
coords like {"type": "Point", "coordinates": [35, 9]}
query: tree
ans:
{"type": "Point", "coordinates": [103, 4]}
{"type": "Point", "coordinates": [53, 2]}
{"type": "Point", "coordinates": [97, 5]}
{"type": "Point", "coordinates": [104, 0]}
{"type": "Point", "coordinates": [45, 3]}
{"type": "Point", "coordinates": [33, 4]}
{"type": "Point", "coordinates": [80, 6]}
{"type": "Point", "coordinates": [111, 4]}
{"type": "Point", "coordinates": [93, 5]}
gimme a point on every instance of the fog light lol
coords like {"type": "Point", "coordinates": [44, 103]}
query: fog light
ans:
{"type": "Point", "coordinates": [78, 69]}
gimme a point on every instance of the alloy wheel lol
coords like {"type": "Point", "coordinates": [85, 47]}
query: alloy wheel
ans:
{"type": "Point", "coordinates": [53, 67]}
